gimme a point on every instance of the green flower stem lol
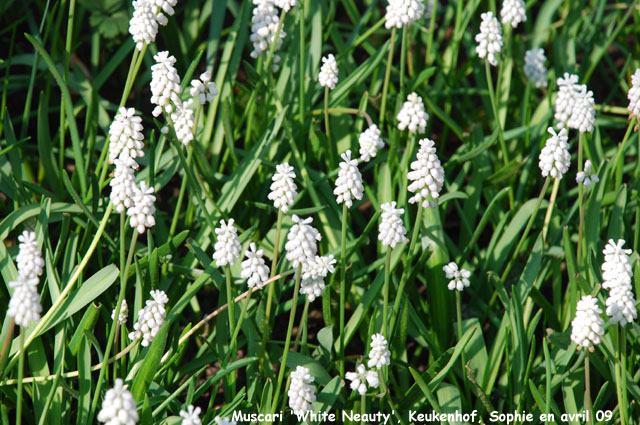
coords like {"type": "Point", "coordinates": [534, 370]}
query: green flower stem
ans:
{"type": "Point", "coordinates": [287, 342]}
{"type": "Point", "coordinates": [552, 201]}
{"type": "Point", "coordinates": [20, 376]}
{"type": "Point", "coordinates": [587, 385]}
{"type": "Point", "coordinates": [406, 272]}
{"type": "Point", "coordinates": [494, 108]}
{"type": "Point", "coordinates": [65, 292]}
{"type": "Point", "coordinates": [622, 342]}
{"type": "Point", "coordinates": [363, 407]}
{"type": "Point", "coordinates": [343, 283]}
{"type": "Point", "coordinates": [272, 50]}
{"type": "Point", "coordinates": [385, 293]}
{"type": "Point", "coordinates": [462, 356]}
{"type": "Point", "coordinates": [302, 333]}
{"type": "Point", "coordinates": [618, 163]}
{"type": "Point", "coordinates": [387, 74]}
{"type": "Point", "coordinates": [580, 199]}
{"type": "Point", "coordinates": [124, 274]}
{"type": "Point", "coordinates": [403, 59]}
{"type": "Point", "coordinates": [333, 155]}
{"type": "Point", "coordinates": [236, 331]}
{"type": "Point", "coordinates": [65, 75]}
{"type": "Point", "coordinates": [267, 313]}
{"type": "Point", "coordinates": [230, 303]}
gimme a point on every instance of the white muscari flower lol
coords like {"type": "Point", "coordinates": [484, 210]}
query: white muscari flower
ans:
{"type": "Point", "coordinates": [24, 305]}
{"type": "Point", "coordinates": [568, 89]}
{"type": "Point", "coordinates": [391, 231]}
{"type": "Point", "coordinates": [254, 268]}
{"type": "Point", "coordinates": [618, 275]}
{"type": "Point", "coordinates": [534, 68]}
{"type": "Point", "coordinates": [328, 76]}
{"type": "Point", "coordinates": [204, 89]}
{"type": "Point", "coordinates": [224, 421]}
{"type": "Point", "coordinates": [227, 247]}
{"type": "Point", "coordinates": [427, 175]}
{"type": "Point", "coordinates": [183, 121]}
{"type": "Point", "coordinates": [191, 416]}
{"type": "Point", "coordinates": [165, 6]}
{"type": "Point", "coordinates": [150, 318]}
{"type": "Point", "coordinates": [379, 355]}
{"type": "Point", "coordinates": [587, 327]}
{"type": "Point", "coordinates": [125, 136]}
{"type": "Point", "coordinates": [142, 210]}
{"type": "Point", "coordinates": [124, 312]}
{"type": "Point", "coordinates": [314, 271]}
{"type": "Point", "coordinates": [459, 277]}
{"type": "Point", "coordinates": [370, 143]}
{"type": "Point", "coordinates": [118, 406]}
{"type": "Point", "coordinates": [283, 189]}
{"type": "Point", "coordinates": [587, 176]}
{"type": "Point", "coordinates": [264, 25]}
{"type": "Point", "coordinates": [583, 114]}
{"type": "Point", "coordinates": [302, 240]}
{"type": "Point", "coordinates": [554, 157]}
{"type": "Point", "coordinates": [301, 391]}
{"type": "Point", "coordinates": [165, 83]}
{"type": "Point", "coordinates": [489, 38]}
{"type": "Point", "coordinates": [403, 12]}
{"type": "Point", "coordinates": [349, 182]}
{"type": "Point", "coordinates": [286, 5]}
{"type": "Point", "coordinates": [634, 95]}
{"type": "Point", "coordinates": [29, 259]}
{"type": "Point", "coordinates": [362, 378]}
{"type": "Point", "coordinates": [513, 12]}
{"type": "Point", "coordinates": [412, 115]}
{"type": "Point", "coordinates": [123, 185]}
{"type": "Point", "coordinates": [143, 25]}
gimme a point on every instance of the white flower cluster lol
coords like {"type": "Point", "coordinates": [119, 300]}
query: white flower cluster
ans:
{"type": "Point", "coordinates": [203, 88]}
{"type": "Point", "coordinates": [362, 378]}
{"type": "Point", "coordinates": [118, 406]}
{"type": "Point", "coordinates": [301, 391]}
{"type": "Point", "coordinates": [513, 12]}
{"type": "Point", "coordinates": [141, 213]}
{"type": "Point", "coordinates": [253, 268]}
{"type": "Point", "coordinates": [403, 12]}
{"type": "Point", "coordinates": [379, 355]}
{"type": "Point", "coordinates": [412, 115]}
{"type": "Point", "coordinates": [165, 83]}
{"type": "Point", "coordinates": [125, 137]}
{"type": "Point", "coordinates": [302, 241]}
{"type": "Point", "coordinates": [24, 305]}
{"type": "Point", "coordinates": [534, 68]}
{"type": "Point", "coordinates": [574, 105]}
{"type": "Point", "coordinates": [124, 312]}
{"type": "Point", "coordinates": [191, 416]}
{"type": "Point", "coordinates": [283, 189]}
{"type": "Point", "coordinates": [634, 95]}
{"type": "Point", "coordinates": [264, 25]}
{"type": "Point", "coordinates": [489, 38]}
{"type": "Point", "coordinates": [224, 421]}
{"type": "Point", "coordinates": [587, 176]}
{"type": "Point", "coordinates": [183, 121]}
{"type": "Point", "coordinates": [227, 247]}
{"type": "Point", "coordinates": [617, 274]}
{"type": "Point", "coordinates": [370, 143]}
{"type": "Point", "coordinates": [459, 277]}
{"type": "Point", "coordinates": [587, 327]}
{"type": "Point", "coordinates": [147, 14]}
{"type": "Point", "coordinates": [314, 271]}
{"type": "Point", "coordinates": [427, 176]}
{"type": "Point", "coordinates": [328, 76]}
{"type": "Point", "coordinates": [349, 182]}
{"type": "Point", "coordinates": [123, 185]}
{"type": "Point", "coordinates": [286, 5]}
{"type": "Point", "coordinates": [554, 157]}
{"type": "Point", "coordinates": [150, 318]}
{"type": "Point", "coordinates": [391, 231]}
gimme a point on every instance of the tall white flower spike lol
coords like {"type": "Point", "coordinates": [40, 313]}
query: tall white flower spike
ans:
{"type": "Point", "coordinates": [328, 76]}
{"type": "Point", "coordinates": [534, 68]}
{"type": "Point", "coordinates": [391, 231]}
{"type": "Point", "coordinates": [554, 158]}
{"type": "Point", "coordinates": [283, 189]}
{"type": "Point", "coordinates": [412, 115]}
{"type": "Point", "coordinates": [427, 175]}
{"type": "Point", "coordinates": [489, 38]}
{"type": "Point", "coordinates": [227, 247]}
{"type": "Point", "coordinates": [349, 183]}
{"type": "Point", "coordinates": [362, 378]}
{"type": "Point", "coordinates": [118, 406]}
{"type": "Point", "coordinates": [302, 241]}
{"type": "Point", "coordinates": [301, 392]}
{"type": "Point", "coordinates": [587, 327]}
{"type": "Point", "coordinates": [370, 143]}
